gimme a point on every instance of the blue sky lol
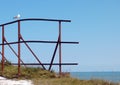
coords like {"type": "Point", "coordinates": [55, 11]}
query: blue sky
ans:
{"type": "Point", "coordinates": [95, 24]}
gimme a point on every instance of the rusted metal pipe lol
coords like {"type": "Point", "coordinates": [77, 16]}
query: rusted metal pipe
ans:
{"type": "Point", "coordinates": [60, 50]}
{"type": "Point", "coordinates": [19, 72]}
{"type": "Point", "coordinates": [21, 40]}
{"type": "Point", "coordinates": [3, 60]}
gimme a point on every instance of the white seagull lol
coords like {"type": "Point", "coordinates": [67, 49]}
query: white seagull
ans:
{"type": "Point", "coordinates": [17, 17]}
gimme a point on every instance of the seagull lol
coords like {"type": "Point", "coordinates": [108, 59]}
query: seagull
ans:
{"type": "Point", "coordinates": [17, 17]}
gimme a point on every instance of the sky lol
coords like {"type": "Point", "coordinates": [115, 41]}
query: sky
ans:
{"type": "Point", "coordinates": [95, 24]}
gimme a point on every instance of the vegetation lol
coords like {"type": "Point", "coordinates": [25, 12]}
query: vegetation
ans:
{"type": "Point", "coordinates": [11, 72]}
{"type": "Point", "coordinates": [70, 81]}
{"type": "Point", "coordinates": [44, 77]}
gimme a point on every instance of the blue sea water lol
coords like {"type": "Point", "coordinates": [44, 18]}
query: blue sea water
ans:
{"type": "Point", "coordinates": [109, 76]}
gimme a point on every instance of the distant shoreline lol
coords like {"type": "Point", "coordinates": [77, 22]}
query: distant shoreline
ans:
{"type": "Point", "coordinates": [111, 76]}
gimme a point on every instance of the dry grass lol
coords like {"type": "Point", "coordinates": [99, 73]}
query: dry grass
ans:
{"type": "Point", "coordinates": [44, 77]}
{"type": "Point", "coordinates": [70, 81]}
{"type": "Point", "coordinates": [11, 72]}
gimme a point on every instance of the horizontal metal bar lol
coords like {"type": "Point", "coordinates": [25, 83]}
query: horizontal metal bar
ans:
{"type": "Point", "coordinates": [36, 19]}
{"type": "Point", "coordinates": [37, 41]}
{"type": "Point", "coordinates": [45, 64]}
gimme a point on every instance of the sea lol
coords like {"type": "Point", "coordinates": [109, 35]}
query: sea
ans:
{"type": "Point", "coordinates": [108, 76]}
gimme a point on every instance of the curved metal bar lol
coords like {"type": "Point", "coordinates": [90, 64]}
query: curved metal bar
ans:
{"type": "Point", "coordinates": [36, 19]}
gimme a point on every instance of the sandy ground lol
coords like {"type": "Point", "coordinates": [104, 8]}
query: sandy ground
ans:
{"type": "Point", "coordinates": [4, 81]}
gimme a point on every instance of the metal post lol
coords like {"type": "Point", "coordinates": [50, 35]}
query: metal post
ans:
{"type": "Point", "coordinates": [60, 52]}
{"type": "Point", "coordinates": [3, 60]}
{"type": "Point", "coordinates": [4, 56]}
{"type": "Point", "coordinates": [18, 48]}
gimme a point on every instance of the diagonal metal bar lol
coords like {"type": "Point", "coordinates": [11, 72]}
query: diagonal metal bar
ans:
{"type": "Point", "coordinates": [33, 53]}
{"type": "Point", "coordinates": [13, 50]}
{"type": "Point", "coordinates": [3, 55]}
{"type": "Point", "coordinates": [54, 54]}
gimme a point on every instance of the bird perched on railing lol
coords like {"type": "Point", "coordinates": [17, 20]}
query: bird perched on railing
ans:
{"type": "Point", "coordinates": [17, 17]}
